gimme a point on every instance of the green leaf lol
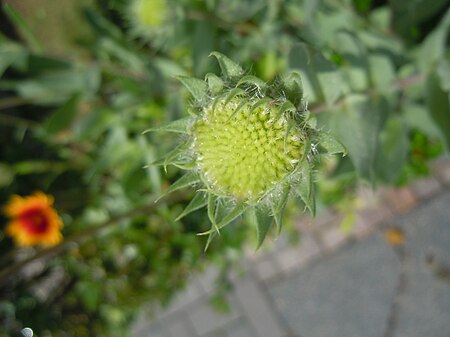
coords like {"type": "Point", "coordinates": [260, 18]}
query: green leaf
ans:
{"type": "Point", "coordinates": [417, 116]}
{"type": "Point", "coordinates": [356, 70]}
{"type": "Point", "coordinates": [186, 180]}
{"type": "Point", "coordinates": [435, 46]}
{"type": "Point", "coordinates": [293, 88]}
{"type": "Point", "coordinates": [215, 83]}
{"type": "Point", "coordinates": [178, 126]}
{"type": "Point", "coordinates": [12, 54]}
{"type": "Point", "coordinates": [331, 144]}
{"type": "Point", "coordinates": [6, 175]}
{"type": "Point", "coordinates": [149, 152]}
{"type": "Point", "coordinates": [57, 87]}
{"type": "Point", "coordinates": [22, 26]}
{"type": "Point", "coordinates": [263, 222]}
{"type": "Point", "coordinates": [408, 14]}
{"type": "Point", "coordinates": [320, 79]}
{"type": "Point", "coordinates": [229, 68]}
{"type": "Point", "coordinates": [197, 87]}
{"type": "Point", "coordinates": [63, 117]}
{"type": "Point", "coordinates": [382, 71]}
{"type": "Point", "coordinates": [357, 125]}
{"type": "Point", "coordinates": [439, 107]}
{"type": "Point", "coordinates": [329, 78]}
{"type": "Point", "coordinates": [203, 41]}
{"type": "Point", "coordinates": [393, 149]}
{"type": "Point", "coordinates": [198, 201]}
{"type": "Point", "coordinates": [443, 72]}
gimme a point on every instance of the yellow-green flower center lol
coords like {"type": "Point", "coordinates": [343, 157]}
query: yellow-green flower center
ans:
{"type": "Point", "coordinates": [247, 153]}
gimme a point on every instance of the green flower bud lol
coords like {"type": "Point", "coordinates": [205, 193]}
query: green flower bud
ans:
{"type": "Point", "coordinates": [244, 153]}
{"type": "Point", "coordinates": [149, 13]}
{"type": "Point", "coordinates": [249, 146]}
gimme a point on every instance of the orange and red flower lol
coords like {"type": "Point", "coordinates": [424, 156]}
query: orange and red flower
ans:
{"type": "Point", "coordinates": [34, 221]}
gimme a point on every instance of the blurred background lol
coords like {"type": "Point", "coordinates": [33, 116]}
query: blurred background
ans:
{"type": "Point", "coordinates": [82, 79]}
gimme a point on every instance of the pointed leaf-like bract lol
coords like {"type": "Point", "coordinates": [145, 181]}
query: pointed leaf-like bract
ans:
{"type": "Point", "coordinates": [215, 83]}
{"type": "Point", "coordinates": [233, 214]}
{"type": "Point", "coordinates": [188, 179]}
{"type": "Point", "coordinates": [252, 80]}
{"type": "Point", "coordinates": [232, 94]}
{"type": "Point", "coordinates": [263, 222]}
{"type": "Point", "coordinates": [293, 88]}
{"type": "Point", "coordinates": [172, 156]}
{"type": "Point", "coordinates": [261, 102]}
{"type": "Point", "coordinates": [229, 68]}
{"type": "Point", "coordinates": [239, 108]}
{"type": "Point", "coordinates": [197, 87]}
{"type": "Point", "coordinates": [278, 205]}
{"type": "Point", "coordinates": [178, 126]}
{"type": "Point", "coordinates": [331, 144]}
{"type": "Point", "coordinates": [285, 107]}
{"type": "Point", "coordinates": [198, 201]}
{"type": "Point", "coordinates": [212, 200]}
{"type": "Point", "coordinates": [305, 187]}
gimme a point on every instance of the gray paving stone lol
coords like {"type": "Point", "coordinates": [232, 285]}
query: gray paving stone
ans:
{"type": "Point", "coordinates": [333, 237]}
{"type": "Point", "coordinates": [150, 330]}
{"type": "Point", "coordinates": [441, 170]}
{"type": "Point", "coordinates": [206, 320]}
{"type": "Point", "coordinates": [208, 278]}
{"type": "Point", "coordinates": [424, 308]}
{"type": "Point", "coordinates": [185, 297]}
{"type": "Point", "coordinates": [426, 187]}
{"type": "Point", "coordinates": [266, 268]}
{"type": "Point", "coordinates": [257, 309]}
{"type": "Point", "coordinates": [240, 329]}
{"type": "Point", "coordinates": [368, 219]}
{"type": "Point", "coordinates": [347, 294]}
{"type": "Point", "coordinates": [179, 326]}
{"type": "Point", "coordinates": [297, 256]}
{"type": "Point", "coordinates": [401, 199]}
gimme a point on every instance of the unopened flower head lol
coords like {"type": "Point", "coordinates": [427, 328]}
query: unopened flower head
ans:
{"type": "Point", "coordinates": [248, 147]}
{"type": "Point", "coordinates": [244, 152]}
{"type": "Point", "coordinates": [149, 13]}
{"type": "Point", "coordinates": [33, 220]}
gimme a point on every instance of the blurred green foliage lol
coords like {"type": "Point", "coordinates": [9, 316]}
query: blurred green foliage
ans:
{"type": "Point", "coordinates": [81, 80]}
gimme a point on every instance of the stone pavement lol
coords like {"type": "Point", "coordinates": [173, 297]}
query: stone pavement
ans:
{"type": "Point", "coordinates": [388, 277]}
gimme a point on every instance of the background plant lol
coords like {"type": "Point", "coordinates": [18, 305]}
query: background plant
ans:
{"type": "Point", "coordinates": [81, 80]}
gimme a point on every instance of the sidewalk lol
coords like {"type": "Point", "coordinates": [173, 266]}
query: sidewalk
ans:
{"type": "Point", "coordinates": [336, 285]}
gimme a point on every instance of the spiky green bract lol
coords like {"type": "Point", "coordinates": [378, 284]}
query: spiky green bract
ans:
{"type": "Point", "coordinates": [250, 147]}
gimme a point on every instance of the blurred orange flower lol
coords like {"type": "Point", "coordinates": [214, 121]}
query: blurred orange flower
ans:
{"type": "Point", "coordinates": [33, 220]}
